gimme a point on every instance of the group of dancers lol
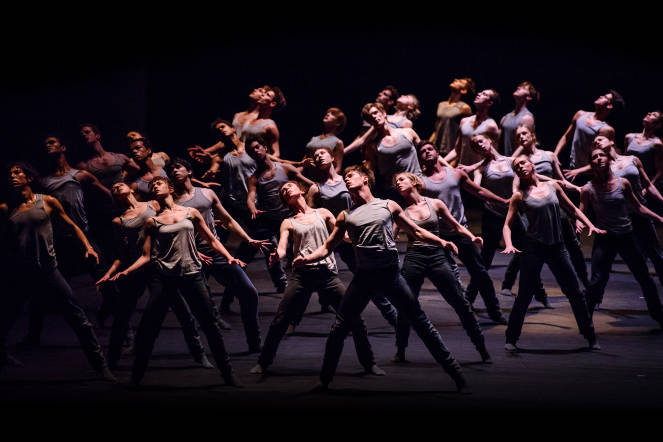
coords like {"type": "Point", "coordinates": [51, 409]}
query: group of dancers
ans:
{"type": "Point", "coordinates": [142, 222]}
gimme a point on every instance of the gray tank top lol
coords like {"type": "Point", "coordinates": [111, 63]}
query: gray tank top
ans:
{"type": "Point", "coordinates": [371, 230]}
{"type": "Point", "coordinates": [308, 237]}
{"type": "Point", "coordinates": [467, 155]}
{"type": "Point", "coordinates": [133, 233]}
{"type": "Point", "coordinates": [582, 140]}
{"type": "Point", "coordinates": [235, 173]}
{"type": "Point", "coordinates": [32, 237]}
{"type": "Point", "coordinates": [448, 191]}
{"type": "Point", "coordinates": [329, 142]}
{"type": "Point", "coordinates": [432, 224]}
{"type": "Point", "coordinates": [500, 183]}
{"type": "Point", "coordinates": [543, 217]}
{"type": "Point", "coordinates": [255, 127]}
{"type": "Point", "coordinates": [610, 209]}
{"type": "Point", "coordinates": [645, 152]}
{"type": "Point", "coordinates": [397, 123]}
{"type": "Point", "coordinates": [632, 174]}
{"type": "Point", "coordinates": [543, 162]}
{"type": "Point", "coordinates": [334, 197]}
{"type": "Point", "coordinates": [174, 248]}
{"type": "Point", "coordinates": [69, 192]}
{"type": "Point", "coordinates": [268, 193]}
{"type": "Point", "coordinates": [110, 175]}
{"type": "Point", "coordinates": [204, 206]}
{"type": "Point", "coordinates": [509, 125]}
{"type": "Point", "coordinates": [447, 125]}
{"type": "Point", "coordinates": [143, 187]}
{"type": "Point", "coordinates": [401, 157]}
{"type": "Point", "coordinates": [239, 127]}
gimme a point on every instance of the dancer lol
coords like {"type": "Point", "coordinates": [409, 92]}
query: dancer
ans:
{"type": "Point", "coordinates": [547, 167]}
{"type": "Point", "coordinates": [308, 229]}
{"type": "Point", "coordinates": [129, 239]}
{"type": "Point", "coordinates": [540, 202]}
{"type": "Point", "coordinates": [170, 244]}
{"type": "Point", "coordinates": [141, 153]}
{"type": "Point", "coordinates": [271, 100]}
{"type": "Point", "coordinates": [648, 147]}
{"type": "Point", "coordinates": [334, 122]}
{"type": "Point", "coordinates": [584, 127]}
{"type": "Point", "coordinates": [609, 196]}
{"type": "Point", "coordinates": [524, 94]}
{"type": "Point", "coordinates": [33, 268]}
{"type": "Point", "coordinates": [449, 114]}
{"type": "Point", "coordinates": [160, 159]}
{"type": "Point", "coordinates": [444, 183]}
{"type": "Point", "coordinates": [426, 260]}
{"type": "Point", "coordinates": [479, 123]}
{"type": "Point", "coordinates": [370, 228]}
{"type": "Point", "coordinates": [107, 166]}
{"type": "Point", "coordinates": [407, 110]}
{"type": "Point", "coordinates": [231, 276]}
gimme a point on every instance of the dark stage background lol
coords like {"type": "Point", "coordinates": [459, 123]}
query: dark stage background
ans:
{"type": "Point", "coordinates": [173, 87]}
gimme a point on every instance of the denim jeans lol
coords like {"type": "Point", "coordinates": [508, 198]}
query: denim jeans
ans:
{"type": "Point", "coordinates": [163, 289]}
{"type": "Point", "coordinates": [56, 292]}
{"type": "Point", "coordinates": [388, 281]}
{"type": "Point", "coordinates": [604, 251]}
{"type": "Point", "coordinates": [300, 287]}
{"type": "Point", "coordinates": [534, 255]}
{"type": "Point", "coordinates": [132, 288]}
{"type": "Point", "coordinates": [435, 263]}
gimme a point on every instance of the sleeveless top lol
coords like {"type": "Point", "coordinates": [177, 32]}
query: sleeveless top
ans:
{"type": "Point", "coordinates": [467, 155]}
{"type": "Point", "coordinates": [543, 162]}
{"type": "Point", "coordinates": [632, 174]}
{"type": "Point", "coordinates": [398, 123]}
{"type": "Point", "coordinates": [143, 187]}
{"type": "Point", "coordinates": [371, 230]}
{"type": "Point", "coordinates": [447, 125]}
{"type": "Point", "coordinates": [235, 173]}
{"type": "Point", "coordinates": [501, 184]}
{"type": "Point", "coordinates": [174, 248]}
{"type": "Point", "coordinates": [432, 224]}
{"type": "Point", "coordinates": [200, 202]}
{"type": "Point", "coordinates": [610, 209]}
{"type": "Point", "coordinates": [316, 143]}
{"type": "Point", "coordinates": [133, 234]}
{"type": "Point", "coordinates": [110, 175]}
{"type": "Point", "coordinates": [509, 125]}
{"type": "Point", "coordinates": [268, 193]}
{"type": "Point", "coordinates": [543, 217]}
{"type": "Point", "coordinates": [645, 152]}
{"type": "Point", "coordinates": [32, 238]}
{"type": "Point", "coordinates": [582, 140]}
{"type": "Point", "coordinates": [255, 127]}
{"type": "Point", "coordinates": [239, 127]}
{"type": "Point", "coordinates": [307, 238]}
{"type": "Point", "coordinates": [448, 191]}
{"type": "Point", "coordinates": [401, 157]}
{"type": "Point", "coordinates": [333, 197]}
{"type": "Point", "coordinates": [68, 191]}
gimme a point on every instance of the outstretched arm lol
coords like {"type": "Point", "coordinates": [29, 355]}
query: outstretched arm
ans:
{"type": "Point", "coordinates": [443, 213]}
{"type": "Point", "coordinates": [568, 135]}
{"type": "Point", "coordinates": [514, 202]}
{"type": "Point", "coordinates": [335, 238]}
{"type": "Point", "coordinates": [204, 231]}
{"type": "Point", "coordinates": [281, 250]}
{"type": "Point", "coordinates": [55, 208]}
{"type": "Point", "coordinates": [636, 204]}
{"type": "Point", "coordinates": [408, 226]}
{"type": "Point", "coordinates": [571, 208]}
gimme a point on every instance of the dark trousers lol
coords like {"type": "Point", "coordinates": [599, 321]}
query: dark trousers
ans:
{"type": "Point", "coordinates": [470, 255]}
{"type": "Point", "coordinates": [265, 227]}
{"type": "Point", "coordinates": [604, 251]}
{"type": "Point", "coordinates": [534, 255]}
{"type": "Point", "coordinates": [163, 289]}
{"type": "Point", "coordinates": [300, 288]}
{"type": "Point", "coordinates": [388, 281]}
{"type": "Point", "coordinates": [647, 240]}
{"type": "Point", "coordinates": [56, 292]}
{"type": "Point", "coordinates": [71, 260]}
{"type": "Point", "coordinates": [132, 288]}
{"type": "Point", "coordinates": [235, 279]}
{"type": "Point", "coordinates": [435, 264]}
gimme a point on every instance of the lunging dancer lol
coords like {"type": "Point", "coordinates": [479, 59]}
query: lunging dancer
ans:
{"type": "Point", "coordinates": [370, 228]}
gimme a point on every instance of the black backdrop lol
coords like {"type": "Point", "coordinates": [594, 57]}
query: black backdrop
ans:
{"type": "Point", "coordinates": [172, 87]}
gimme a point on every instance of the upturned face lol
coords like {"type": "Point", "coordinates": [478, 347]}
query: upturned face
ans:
{"type": "Point", "coordinates": [404, 184]}
{"type": "Point", "coordinates": [604, 101]}
{"type": "Point", "coordinates": [484, 97]}
{"type": "Point", "coordinates": [53, 146]}
{"type": "Point", "coordinates": [481, 145]}
{"type": "Point", "coordinates": [160, 188]}
{"type": "Point", "coordinates": [602, 142]}
{"type": "Point", "coordinates": [523, 167]}
{"type": "Point", "coordinates": [291, 191]}
{"type": "Point", "coordinates": [18, 177]}
{"type": "Point", "coordinates": [180, 173]}
{"type": "Point", "coordinates": [89, 135]}
{"type": "Point", "coordinates": [225, 129]}
{"type": "Point", "coordinates": [139, 151]}
{"type": "Point", "coordinates": [428, 153]}
{"type": "Point", "coordinates": [354, 180]}
{"type": "Point", "coordinates": [652, 119]}
{"type": "Point", "coordinates": [121, 189]}
{"type": "Point", "coordinates": [322, 157]}
{"type": "Point", "coordinates": [376, 117]}
{"type": "Point", "coordinates": [385, 98]}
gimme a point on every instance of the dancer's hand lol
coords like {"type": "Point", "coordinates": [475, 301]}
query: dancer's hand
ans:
{"type": "Point", "coordinates": [274, 259]}
{"type": "Point", "coordinates": [199, 154]}
{"type": "Point", "coordinates": [104, 279]}
{"type": "Point", "coordinates": [239, 262]}
{"type": "Point", "coordinates": [509, 250]}
{"type": "Point", "coordinates": [478, 241]}
{"type": "Point", "coordinates": [264, 245]}
{"type": "Point", "coordinates": [298, 262]}
{"type": "Point", "coordinates": [256, 213]}
{"type": "Point", "coordinates": [206, 259]}
{"type": "Point", "coordinates": [593, 229]}
{"type": "Point", "coordinates": [571, 174]}
{"type": "Point", "coordinates": [449, 245]}
{"type": "Point", "coordinates": [118, 275]}
{"type": "Point", "coordinates": [580, 226]}
{"type": "Point", "coordinates": [91, 253]}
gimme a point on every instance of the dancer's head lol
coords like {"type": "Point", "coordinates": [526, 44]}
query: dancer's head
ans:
{"type": "Point", "coordinates": [323, 158]}
{"type": "Point", "coordinates": [179, 170]}
{"type": "Point", "coordinates": [387, 96]}
{"type": "Point", "coordinates": [334, 120]}
{"type": "Point", "coordinates": [291, 191]}
{"type": "Point", "coordinates": [462, 85]}
{"type": "Point", "coordinates": [140, 150]}
{"type": "Point", "coordinates": [406, 182]}
{"type": "Point", "coordinates": [428, 153]}
{"type": "Point", "coordinates": [90, 133]}
{"type": "Point", "coordinates": [374, 114]}
{"type": "Point", "coordinates": [410, 104]}
{"type": "Point", "coordinates": [523, 167]}
{"type": "Point", "coordinates": [604, 143]}
{"type": "Point", "coordinates": [526, 91]}
{"type": "Point", "coordinates": [599, 161]}
{"type": "Point", "coordinates": [482, 145]}
{"type": "Point", "coordinates": [525, 136]}
{"type": "Point", "coordinates": [653, 120]}
{"type": "Point", "coordinates": [54, 146]}
{"type": "Point", "coordinates": [20, 174]}
{"type": "Point", "coordinates": [486, 98]}
{"type": "Point", "coordinates": [357, 176]}
{"type": "Point", "coordinates": [272, 97]}
{"type": "Point", "coordinates": [160, 187]}
{"type": "Point", "coordinates": [256, 147]}
{"type": "Point", "coordinates": [611, 101]}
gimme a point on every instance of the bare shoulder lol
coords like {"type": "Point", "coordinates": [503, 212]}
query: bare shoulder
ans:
{"type": "Point", "coordinates": [326, 214]}
{"type": "Point", "coordinates": [578, 114]}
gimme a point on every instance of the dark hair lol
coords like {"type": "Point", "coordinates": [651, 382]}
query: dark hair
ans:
{"type": "Point", "coordinates": [94, 128]}
{"type": "Point", "coordinates": [178, 161]}
{"type": "Point", "coordinates": [618, 103]}
{"type": "Point", "coordinates": [27, 168]}
{"type": "Point", "coordinates": [362, 170]}
{"type": "Point", "coordinates": [218, 121]}
{"type": "Point", "coordinates": [340, 117]}
{"type": "Point", "coordinates": [394, 92]}
{"type": "Point", "coordinates": [279, 98]}
{"type": "Point", "coordinates": [301, 186]}
{"type": "Point", "coordinates": [160, 178]}
{"type": "Point", "coordinates": [533, 93]}
{"type": "Point", "coordinates": [257, 138]}
{"type": "Point", "coordinates": [496, 97]}
{"type": "Point", "coordinates": [421, 143]}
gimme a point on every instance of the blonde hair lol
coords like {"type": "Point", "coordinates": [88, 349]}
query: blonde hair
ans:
{"type": "Point", "coordinates": [418, 183]}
